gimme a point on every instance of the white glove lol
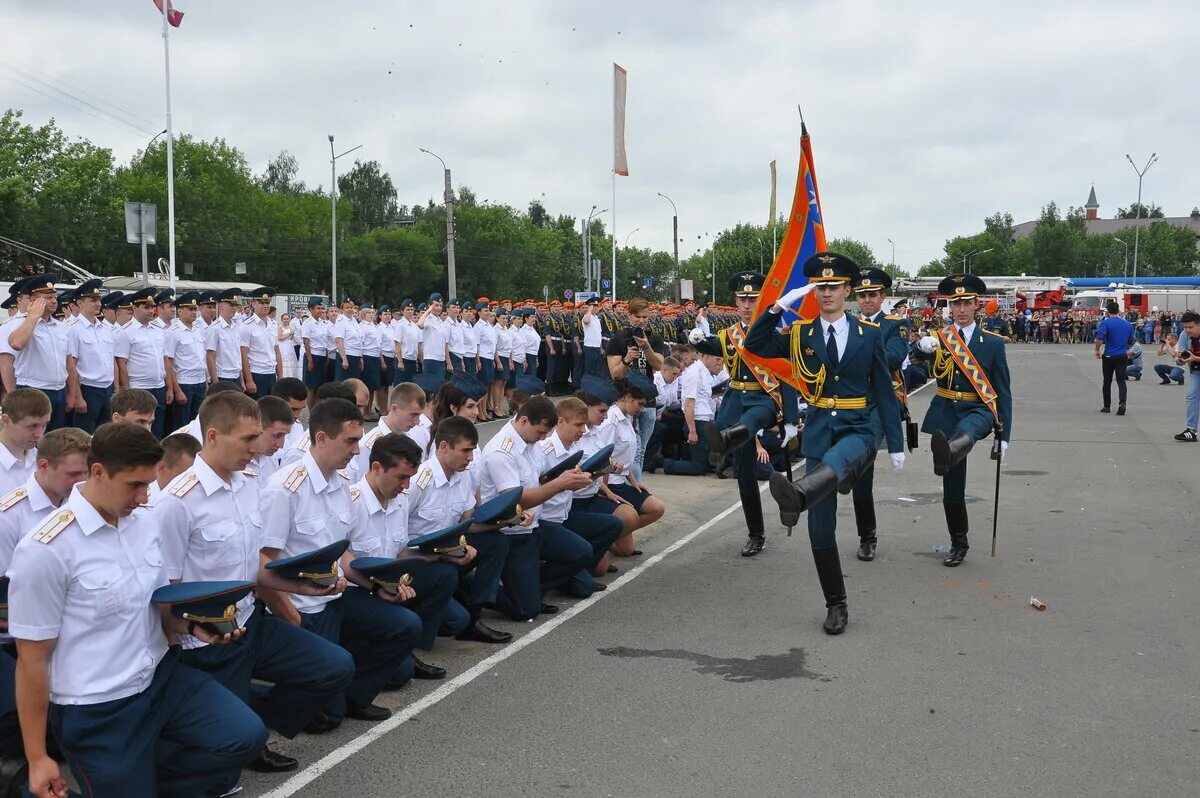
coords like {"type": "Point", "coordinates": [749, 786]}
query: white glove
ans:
{"type": "Point", "coordinates": [795, 295]}
{"type": "Point", "coordinates": [928, 344]}
{"type": "Point", "coordinates": [790, 431]}
{"type": "Point", "coordinates": [1003, 450]}
{"type": "Point", "coordinates": [897, 460]}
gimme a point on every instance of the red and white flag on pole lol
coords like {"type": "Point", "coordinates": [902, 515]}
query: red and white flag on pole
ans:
{"type": "Point", "coordinates": [173, 17]}
{"type": "Point", "coordinates": [620, 163]}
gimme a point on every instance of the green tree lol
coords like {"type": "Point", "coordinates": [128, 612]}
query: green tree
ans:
{"type": "Point", "coordinates": [1150, 211]}
{"type": "Point", "coordinates": [857, 250]}
{"type": "Point", "coordinates": [280, 175]}
{"type": "Point", "coordinates": [371, 194]}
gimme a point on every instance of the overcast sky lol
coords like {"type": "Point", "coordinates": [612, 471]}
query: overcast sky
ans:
{"type": "Point", "coordinates": [923, 121]}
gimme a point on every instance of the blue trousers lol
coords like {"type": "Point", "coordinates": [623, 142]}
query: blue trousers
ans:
{"type": "Point", "coordinates": [593, 362]}
{"type": "Point", "coordinates": [435, 583]}
{"type": "Point", "coordinates": [531, 364]}
{"type": "Point", "coordinates": [315, 377]}
{"type": "Point", "coordinates": [115, 748]}
{"type": "Point", "coordinates": [843, 457]}
{"type": "Point", "coordinates": [600, 531]}
{"type": "Point", "coordinates": [182, 415]}
{"type": "Point", "coordinates": [11, 745]}
{"type": "Point", "coordinates": [410, 371]}
{"type": "Point", "coordinates": [1167, 372]}
{"type": "Point", "coordinates": [307, 671]}
{"type": "Point", "coordinates": [436, 368]}
{"type": "Point", "coordinates": [978, 425]}
{"type": "Point", "coordinates": [99, 408]}
{"type": "Point", "coordinates": [527, 577]}
{"type": "Point", "coordinates": [387, 377]}
{"type": "Point", "coordinates": [379, 636]}
{"type": "Point", "coordinates": [160, 412]}
{"type": "Point", "coordinates": [58, 407]}
{"type": "Point", "coordinates": [697, 462]}
{"type": "Point", "coordinates": [479, 582]}
{"type": "Point", "coordinates": [353, 368]}
{"type": "Point", "coordinates": [755, 415]}
{"type": "Point", "coordinates": [264, 383]}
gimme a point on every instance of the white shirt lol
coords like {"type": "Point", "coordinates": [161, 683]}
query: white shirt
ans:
{"type": "Point", "coordinates": [455, 337]}
{"type": "Point", "coordinates": [486, 333]}
{"type": "Point", "coordinates": [224, 338]}
{"type": "Point", "coordinates": [301, 512]}
{"type": "Point", "coordinates": [297, 328]}
{"type": "Point", "coordinates": [14, 472]}
{"type": "Point", "coordinates": [191, 428]}
{"type": "Point", "coordinates": [348, 330]}
{"type": "Point", "coordinates": [211, 531]}
{"type": "Point", "coordinates": [966, 332]}
{"type": "Point", "coordinates": [668, 392]}
{"type": "Point", "coordinates": [142, 348]}
{"type": "Point", "coordinates": [516, 337]}
{"type": "Point", "coordinates": [91, 344]}
{"type": "Point", "coordinates": [409, 337]}
{"type": "Point", "coordinates": [258, 337]}
{"type": "Point", "coordinates": [593, 440]}
{"type": "Point", "coordinates": [509, 462]}
{"type": "Point", "coordinates": [470, 335]}
{"type": "Point", "coordinates": [703, 326]}
{"type": "Point", "coordinates": [185, 346]}
{"type": "Point", "coordinates": [503, 341]}
{"type": "Point", "coordinates": [531, 337]}
{"type": "Point", "coordinates": [377, 531]}
{"type": "Point", "coordinates": [84, 571]}
{"type": "Point", "coordinates": [434, 333]}
{"type": "Point", "coordinates": [841, 332]}
{"type": "Point", "coordinates": [293, 436]}
{"type": "Point", "coordinates": [370, 339]}
{"type": "Point", "coordinates": [312, 329]}
{"type": "Point", "coordinates": [420, 433]}
{"type": "Point", "coordinates": [14, 321]}
{"type": "Point", "coordinates": [696, 383]}
{"type": "Point", "coordinates": [20, 510]}
{"type": "Point", "coordinates": [624, 440]}
{"type": "Point", "coordinates": [436, 499]}
{"type": "Point", "coordinates": [43, 361]}
{"type": "Point", "coordinates": [591, 331]}
{"type": "Point", "coordinates": [361, 462]}
{"type": "Point", "coordinates": [548, 454]}
{"type": "Point", "coordinates": [387, 340]}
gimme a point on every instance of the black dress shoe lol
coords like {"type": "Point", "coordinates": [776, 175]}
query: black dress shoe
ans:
{"type": "Point", "coordinates": [955, 557]}
{"type": "Point", "coordinates": [1105, 410]}
{"type": "Point", "coordinates": [1120, 410]}
{"type": "Point", "coordinates": [599, 586]}
{"type": "Point", "coordinates": [836, 619]}
{"type": "Point", "coordinates": [480, 632]}
{"type": "Point", "coordinates": [371, 712]}
{"type": "Point", "coordinates": [612, 569]}
{"type": "Point", "coordinates": [321, 724]}
{"type": "Point", "coordinates": [423, 670]}
{"type": "Point", "coordinates": [273, 762]}
{"type": "Point", "coordinates": [548, 609]}
{"type": "Point", "coordinates": [754, 545]}
{"type": "Point", "coordinates": [866, 549]}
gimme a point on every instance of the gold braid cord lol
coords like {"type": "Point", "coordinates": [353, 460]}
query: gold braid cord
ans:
{"type": "Point", "coordinates": [811, 384]}
{"type": "Point", "coordinates": [943, 367]}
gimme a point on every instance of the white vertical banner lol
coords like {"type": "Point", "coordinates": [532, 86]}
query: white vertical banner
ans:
{"type": "Point", "coordinates": [620, 163]}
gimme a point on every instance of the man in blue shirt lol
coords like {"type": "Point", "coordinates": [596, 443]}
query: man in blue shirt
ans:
{"type": "Point", "coordinates": [1114, 337]}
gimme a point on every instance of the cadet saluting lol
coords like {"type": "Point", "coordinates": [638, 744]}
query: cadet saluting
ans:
{"type": "Point", "coordinates": [839, 364]}
{"type": "Point", "coordinates": [973, 399]}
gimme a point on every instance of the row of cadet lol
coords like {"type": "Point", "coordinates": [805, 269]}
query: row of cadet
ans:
{"type": "Point", "coordinates": [148, 583]}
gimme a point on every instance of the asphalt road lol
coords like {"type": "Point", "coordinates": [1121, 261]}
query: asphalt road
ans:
{"type": "Point", "coordinates": [703, 673]}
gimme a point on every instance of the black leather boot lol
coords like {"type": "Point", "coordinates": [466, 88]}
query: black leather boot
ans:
{"type": "Point", "coordinates": [794, 498]}
{"type": "Point", "coordinates": [829, 572]}
{"type": "Point", "coordinates": [948, 452]}
{"type": "Point", "coordinates": [956, 523]}
{"type": "Point", "coordinates": [723, 441]}
{"type": "Point", "coordinates": [864, 516]}
{"type": "Point", "coordinates": [752, 509]}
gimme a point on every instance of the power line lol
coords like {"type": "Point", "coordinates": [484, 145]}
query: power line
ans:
{"type": "Point", "coordinates": [132, 120]}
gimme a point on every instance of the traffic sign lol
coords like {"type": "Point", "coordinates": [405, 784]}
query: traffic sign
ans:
{"type": "Point", "coordinates": [567, 294]}
{"type": "Point", "coordinates": [605, 284]}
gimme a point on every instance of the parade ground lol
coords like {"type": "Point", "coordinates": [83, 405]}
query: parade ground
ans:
{"type": "Point", "coordinates": [699, 672]}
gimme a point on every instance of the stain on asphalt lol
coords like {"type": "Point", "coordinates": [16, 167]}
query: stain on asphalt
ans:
{"type": "Point", "coordinates": [764, 667]}
{"type": "Point", "coordinates": [1015, 473]}
{"type": "Point", "coordinates": [914, 499]}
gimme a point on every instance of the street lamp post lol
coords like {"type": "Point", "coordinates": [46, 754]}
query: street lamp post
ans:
{"type": "Point", "coordinates": [1122, 243]}
{"type": "Point", "coordinates": [893, 243]}
{"type": "Point", "coordinates": [675, 241]}
{"type": "Point", "coordinates": [1138, 215]}
{"type": "Point", "coordinates": [631, 232]}
{"type": "Point", "coordinates": [587, 255]}
{"type": "Point", "coordinates": [967, 258]}
{"type": "Point", "coordinates": [333, 202]}
{"type": "Point", "coordinates": [449, 199]}
{"type": "Point", "coordinates": [593, 278]}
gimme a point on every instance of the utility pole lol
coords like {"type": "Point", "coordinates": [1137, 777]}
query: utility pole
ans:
{"type": "Point", "coordinates": [449, 200]}
{"type": "Point", "coordinates": [675, 241]}
{"type": "Point", "coordinates": [1138, 215]}
{"type": "Point", "coordinates": [333, 296]}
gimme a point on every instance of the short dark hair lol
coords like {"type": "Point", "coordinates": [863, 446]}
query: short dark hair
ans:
{"type": "Point", "coordinates": [409, 392]}
{"type": "Point", "coordinates": [225, 409]}
{"type": "Point", "coordinates": [588, 399]}
{"type": "Point", "coordinates": [122, 445]}
{"type": "Point", "coordinates": [626, 388]}
{"type": "Point", "coordinates": [275, 410]}
{"type": "Point", "coordinates": [1112, 307]}
{"type": "Point", "coordinates": [176, 447]}
{"type": "Point", "coordinates": [389, 450]}
{"type": "Point", "coordinates": [23, 403]}
{"type": "Point", "coordinates": [539, 410]}
{"type": "Point", "coordinates": [455, 429]}
{"type": "Point", "coordinates": [336, 390]}
{"type": "Point", "coordinates": [133, 400]}
{"type": "Point", "coordinates": [290, 388]}
{"type": "Point", "coordinates": [1190, 316]}
{"type": "Point", "coordinates": [330, 415]}
{"type": "Point", "coordinates": [220, 387]}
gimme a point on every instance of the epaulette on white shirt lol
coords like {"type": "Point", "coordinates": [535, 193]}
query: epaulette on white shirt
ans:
{"type": "Point", "coordinates": [506, 444]}
{"type": "Point", "coordinates": [180, 487]}
{"type": "Point", "coordinates": [12, 499]}
{"type": "Point", "coordinates": [423, 477]}
{"type": "Point", "coordinates": [354, 494]}
{"type": "Point", "coordinates": [295, 478]}
{"type": "Point", "coordinates": [53, 526]}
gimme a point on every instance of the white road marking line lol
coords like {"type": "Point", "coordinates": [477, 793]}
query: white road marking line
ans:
{"type": "Point", "coordinates": [344, 752]}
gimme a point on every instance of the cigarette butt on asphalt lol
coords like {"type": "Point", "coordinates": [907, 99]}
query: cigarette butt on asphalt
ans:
{"type": "Point", "coordinates": [1036, 604]}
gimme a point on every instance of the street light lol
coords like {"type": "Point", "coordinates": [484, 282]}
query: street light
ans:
{"type": "Point", "coordinates": [893, 243]}
{"type": "Point", "coordinates": [592, 277]}
{"type": "Point", "coordinates": [631, 232]}
{"type": "Point", "coordinates": [674, 240]}
{"type": "Point", "coordinates": [966, 259]}
{"type": "Point", "coordinates": [333, 202]}
{"type": "Point", "coordinates": [449, 199]}
{"type": "Point", "coordinates": [150, 143]}
{"type": "Point", "coordinates": [1138, 217]}
{"type": "Point", "coordinates": [1122, 243]}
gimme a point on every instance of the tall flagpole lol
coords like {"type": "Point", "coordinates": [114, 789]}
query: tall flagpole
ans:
{"type": "Point", "coordinates": [614, 238]}
{"type": "Point", "coordinates": [170, 142]}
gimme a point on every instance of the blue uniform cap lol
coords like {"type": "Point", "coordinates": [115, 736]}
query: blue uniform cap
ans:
{"type": "Point", "coordinates": [561, 467]}
{"type": "Point", "coordinates": [422, 308]}
{"type": "Point", "coordinates": [872, 279]}
{"type": "Point", "coordinates": [316, 301]}
{"type": "Point", "coordinates": [66, 296]}
{"type": "Point", "coordinates": [598, 388]}
{"type": "Point", "coordinates": [453, 302]}
{"type": "Point", "coordinates": [211, 605]}
{"type": "Point", "coordinates": [598, 463]}
{"type": "Point", "coordinates": [407, 303]}
{"type": "Point", "coordinates": [501, 312]}
{"type": "Point", "coordinates": [435, 297]}
{"type": "Point", "coordinates": [430, 383]}
{"type": "Point", "coordinates": [595, 300]}
{"type": "Point", "coordinates": [38, 284]}
{"type": "Point", "coordinates": [530, 384]}
{"type": "Point", "coordinates": [387, 574]}
{"type": "Point", "coordinates": [746, 283]}
{"type": "Point", "coordinates": [449, 541]}
{"type": "Point", "coordinates": [165, 297]}
{"type": "Point", "coordinates": [188, 299]}
{"type": "Point", "coordinates": [319, 566]}
{"type": "Point", "coordinates": [469, 385]}
{"type": "Point", "coordinates": [503, 509]}
{"type": "Point", "coordinates": [143, 297]}
{"type": "Point", "coordinates": [232, 295]}
{"type": "Point", "coordinates": [961, 286]}
{"type": "Point", "coordinates": [640, 381]}
{"type": "Point", "coordinates": [17, 285]}
{"type": "Point", "coordinates": [482, 306]}
{"type": "Point", "coordinates": [385, 308]}
{"type": "Point", "coordinates": [89, 289]}
{"type": "Point", "coordinates": [261, 294]}
{"type": "Point", "coordinates": [10, 302]}
{"type": "Point", "coordinates": [710, 346]}
{"type": "Point", "coordinates": [830, 267]}
{"type": "Point", "coordinates": [111, 299]}
{"type": "Point", "coordinates": [209, 297]}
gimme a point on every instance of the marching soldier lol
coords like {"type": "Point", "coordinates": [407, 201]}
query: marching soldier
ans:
{"type": "Point", "coordinates": [973, 400]}
{"type": "Point", "coordinates": [839, 363]}
{"type": "Point", "coordinates": [869, 287]}
{"type": "Point", "coordinates": [754, 402]}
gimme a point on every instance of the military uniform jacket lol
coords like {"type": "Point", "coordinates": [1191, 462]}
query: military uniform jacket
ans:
{"type": "Point", "coordinates": [894, 330]}
{"type": "Point", "coordinates": [740, 372]}
{"type": "Point", "coordinates": [988, 350]}
{"type": "Point", "coordinates": [862, 372]}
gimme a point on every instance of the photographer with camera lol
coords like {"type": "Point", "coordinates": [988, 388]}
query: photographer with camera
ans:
{"type": "Point", "coordinates": [634, 349]}
{"type": "Point", "coordinates": [1187, 355]}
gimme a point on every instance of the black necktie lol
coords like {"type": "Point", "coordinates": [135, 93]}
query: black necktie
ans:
{"type": "Point", "coordinates": [831, 346]}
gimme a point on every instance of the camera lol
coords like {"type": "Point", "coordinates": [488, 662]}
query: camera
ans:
{"type": "Point", "coordinates": [637, 332]}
